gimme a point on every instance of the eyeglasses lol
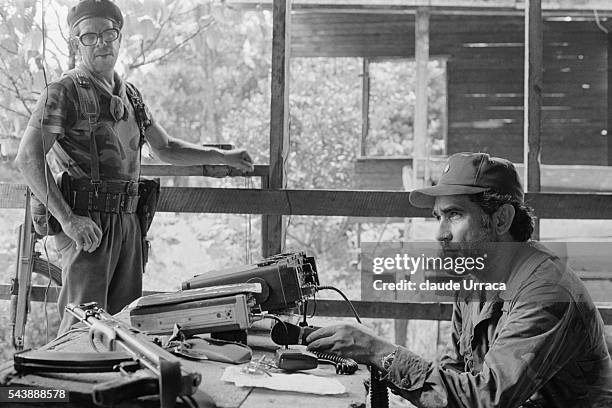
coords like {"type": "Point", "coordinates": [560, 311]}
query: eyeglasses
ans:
{"type": "Point", "coordinates": [91, 39]}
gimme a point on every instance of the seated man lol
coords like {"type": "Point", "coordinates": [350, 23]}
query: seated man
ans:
{"type": "Point", "coordinates": [538, 343]}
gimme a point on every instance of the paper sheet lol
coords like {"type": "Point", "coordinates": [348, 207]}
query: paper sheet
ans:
{"type": "Point", "coordinates": [296, 382]}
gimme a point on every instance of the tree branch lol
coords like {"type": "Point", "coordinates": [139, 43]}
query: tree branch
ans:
{"type": "Point", "coordinates": [57, 61]}
{"type": "Point", "coordinates": [143, 49]}
{"type": "Point", "coordinates": [59, 26]}
{"type": "Point", "coordinates": [14, 111]}
{"type": "Point", "coordinates": [7, 50]}
{"type": "Point", "coordinates": [161, 28]}
{"type": "Point", "coordinates": [299, 241]}
{"type": "Point", "coordinates": [173, 49]}
{"type": "Point", "coordinates": [15, 85]}
{"type": "Point", "coordinates": [52, 41]}
{"type": "Point", "coordinates": [8, 88]}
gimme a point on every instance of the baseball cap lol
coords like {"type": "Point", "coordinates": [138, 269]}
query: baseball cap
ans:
{"type": "Point", "coordinates": [471, 173]}
{"type": "Point", "coordinates": [94, 8]}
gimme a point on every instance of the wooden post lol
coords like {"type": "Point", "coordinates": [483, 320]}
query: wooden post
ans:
{"type": "Point", "coordinates": [365, 125]}
{"type": "Point", "coordinates": [420, 149]}
{"type": "Point", "coordinates": [533, 98]}
{"type": "Point", "coordinates": [420, 107]}
{"type": "Point", "coordinates": [609, 122]}
{"type": "Point", "coordinates": [445, 108]}
{"type": "Point", "coordinates": [265, 220]}
{"type": "Point", "coordinates": [365, 107]}
{"type": "Point", "coordinates": [274, 241]}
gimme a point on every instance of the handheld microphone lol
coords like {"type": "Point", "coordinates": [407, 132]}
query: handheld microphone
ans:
{"type": "Point", "coordinates": [292, 334]}
{"type": "Point", "coordinates": [288, 334]}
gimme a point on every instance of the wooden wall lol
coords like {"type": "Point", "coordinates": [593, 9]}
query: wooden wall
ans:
{"type": "Point", "coordinates": [485, 76]}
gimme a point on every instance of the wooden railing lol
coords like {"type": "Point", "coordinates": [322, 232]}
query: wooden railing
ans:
{"type": "Point", "coordinates": [324, 203]}
{"type": "Point", "coordinates": [335, 202]}
{"type": "Point", "coordinates": [338, 308]}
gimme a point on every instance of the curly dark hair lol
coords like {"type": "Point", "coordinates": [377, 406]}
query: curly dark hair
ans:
{"type": "Point", "coordinates": [524, 219]}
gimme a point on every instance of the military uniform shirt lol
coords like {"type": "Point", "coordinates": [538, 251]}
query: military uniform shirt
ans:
{"type": "Point", "coordinates": [539, 344]}
{"type": "Point", "coordinates": [117, 141]}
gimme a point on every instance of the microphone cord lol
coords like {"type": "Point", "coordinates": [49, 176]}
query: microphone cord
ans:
{"type": "Point", "coordinates": [345, 299]}
{"type": "Point", "coordinates": [379, 396]}
{"type": "Point", "coordinates": [344, 365]}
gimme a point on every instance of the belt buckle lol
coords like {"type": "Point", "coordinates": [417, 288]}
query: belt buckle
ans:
{"type": "Point", "coordinates": [131, 188]}
{"type": "Point", "coordinates": [96, 186]}
{"type": "Point", "coordinates": [122, 200]}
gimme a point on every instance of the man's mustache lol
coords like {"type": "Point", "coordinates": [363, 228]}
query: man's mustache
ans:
{"type": "Point", "coordinates": [103, 52]}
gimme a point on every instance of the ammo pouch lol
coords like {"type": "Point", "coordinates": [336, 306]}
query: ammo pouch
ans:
{"type": "Point", "coordinates": [148, 190]}
{"type": "Point", "coordinates": [44, 225]}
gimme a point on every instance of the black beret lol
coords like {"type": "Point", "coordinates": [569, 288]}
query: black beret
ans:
{"type": "Point", "coordinates": [94, 8]}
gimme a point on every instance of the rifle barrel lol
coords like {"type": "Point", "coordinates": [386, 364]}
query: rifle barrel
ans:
{"type": "Point", "coordinates": [113, 332]}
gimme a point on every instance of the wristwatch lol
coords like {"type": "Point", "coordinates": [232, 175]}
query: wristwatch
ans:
{"type": "Point", "coordinates": [387, 360]}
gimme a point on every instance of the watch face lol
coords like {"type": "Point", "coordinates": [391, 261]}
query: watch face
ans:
{"type": "Point", "coordinates": [388, 360]}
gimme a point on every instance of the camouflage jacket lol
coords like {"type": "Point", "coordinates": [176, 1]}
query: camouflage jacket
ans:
{"type": "Point", "coordinates": [539, 343]}
{"type": "Point", "coordinates": [117, 135]}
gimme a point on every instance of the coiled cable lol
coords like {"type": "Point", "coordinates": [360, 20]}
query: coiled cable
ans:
{"type": "Point", "coordinates": [343, 365]}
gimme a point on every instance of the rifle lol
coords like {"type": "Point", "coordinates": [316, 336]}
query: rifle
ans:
{"type": "Point", "coordinates": [21, 284]}
{"type": "Point", "coordinates": [173, 380]}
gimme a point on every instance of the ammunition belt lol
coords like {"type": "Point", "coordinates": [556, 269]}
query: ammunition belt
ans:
{"type": "Point", "coordinates": [105, 196]}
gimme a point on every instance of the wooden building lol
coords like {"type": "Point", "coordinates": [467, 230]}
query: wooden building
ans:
{"type": "Point", "coordinates": [482, 42]}
{"type": "Point", "coordinates": [482, 45]}
{"type": "Point", "coordinates": [485, 68]}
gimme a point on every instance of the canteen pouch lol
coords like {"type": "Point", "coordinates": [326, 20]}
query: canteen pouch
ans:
{"type": "Point", "coordinates": [46, 224]}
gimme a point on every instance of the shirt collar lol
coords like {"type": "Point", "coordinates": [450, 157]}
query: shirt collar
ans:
{"type": "Point", "coordinates": [103, 87]}
{"type": "Point", "coordinates": [117, 96]}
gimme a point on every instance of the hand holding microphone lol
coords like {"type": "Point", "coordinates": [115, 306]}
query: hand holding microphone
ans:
{"type": "Point", "coordinates": [290, 334]}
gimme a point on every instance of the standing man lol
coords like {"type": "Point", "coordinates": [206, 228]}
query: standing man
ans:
{"type": "Point", "coordinates": [100, 242]}
{"type": "Point", "coordinates": [538, 343]}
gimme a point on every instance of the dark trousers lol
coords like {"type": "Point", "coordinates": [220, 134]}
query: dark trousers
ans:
{"type": "Point", "coordinates": [111, 275]}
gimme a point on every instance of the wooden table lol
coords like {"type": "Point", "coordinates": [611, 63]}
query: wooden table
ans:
{"type": "Point", "coordinates": [212, 392]}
